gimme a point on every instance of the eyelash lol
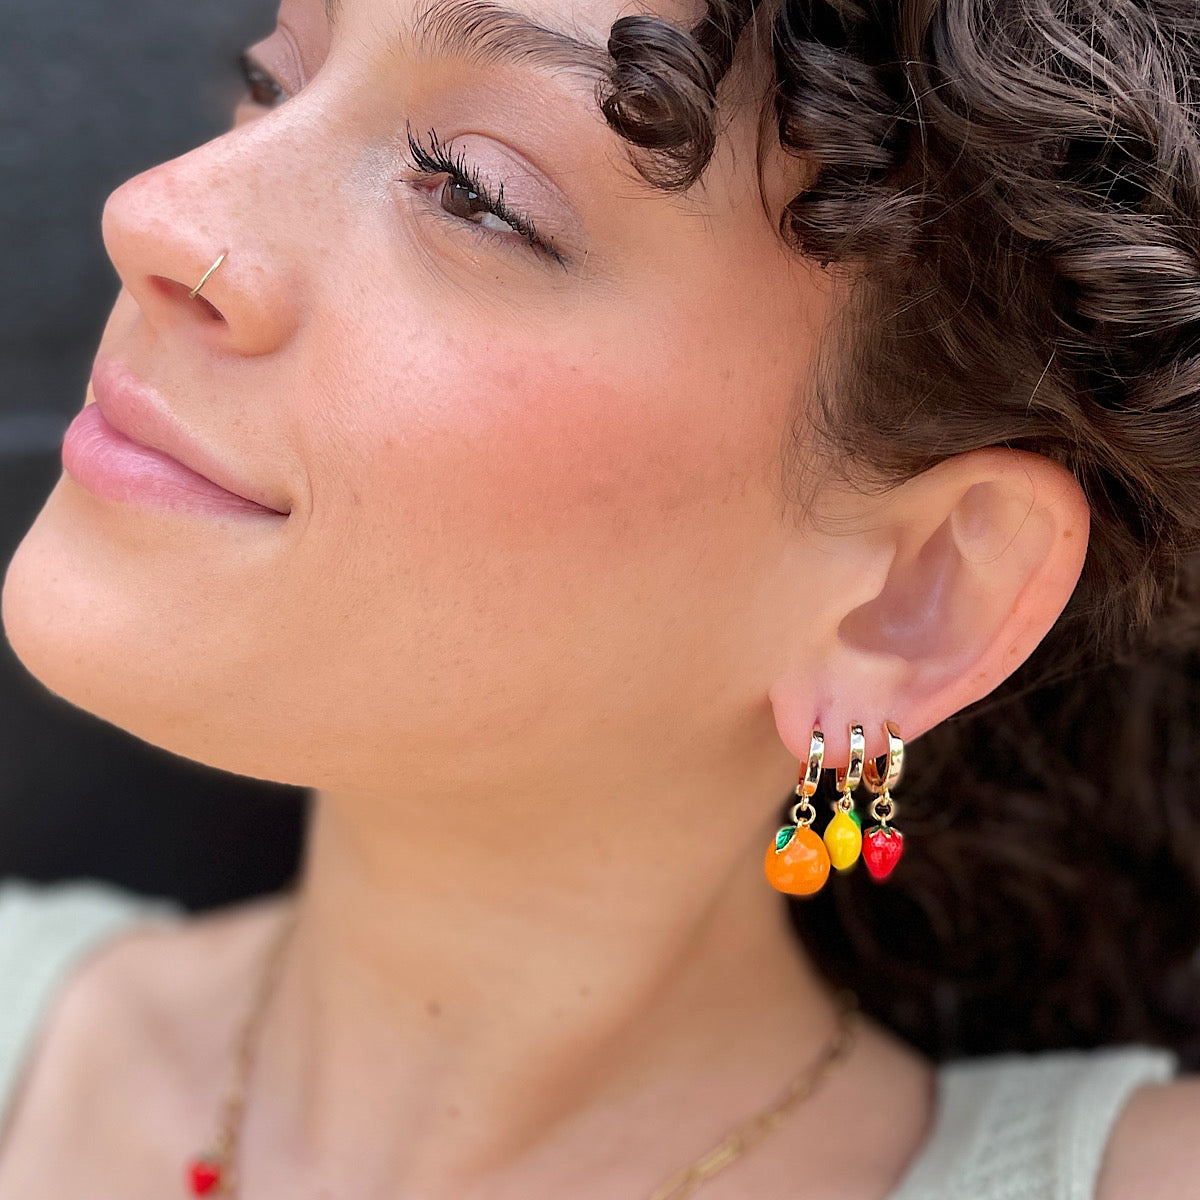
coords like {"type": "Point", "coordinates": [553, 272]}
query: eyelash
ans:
{"type": "Point", "coordinates": [436, 158]}
{"type": "Point", "coordinates": [428, 161]}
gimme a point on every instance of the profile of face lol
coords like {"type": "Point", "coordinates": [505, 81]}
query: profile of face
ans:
{"type": "Point", "coordinates": [523, 413]}
{"type": "Point", "coordinates": [521, 416]}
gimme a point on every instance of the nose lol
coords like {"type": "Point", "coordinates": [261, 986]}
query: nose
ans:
{"type": "Point", "coordinates": [165, 228]}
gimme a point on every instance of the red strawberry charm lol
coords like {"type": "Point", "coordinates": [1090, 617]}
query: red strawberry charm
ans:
{"type": "Point", "coordinates": [881, 850]}
{"type": "Point", "coordinates": [203, 1176]}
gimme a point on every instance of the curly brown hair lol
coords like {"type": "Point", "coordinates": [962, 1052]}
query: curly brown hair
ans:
{"type": "Point", "coordinates": [1017, 184]}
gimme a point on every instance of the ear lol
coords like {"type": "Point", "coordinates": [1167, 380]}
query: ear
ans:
{"type": "Point", "coordinates": [953, 578]}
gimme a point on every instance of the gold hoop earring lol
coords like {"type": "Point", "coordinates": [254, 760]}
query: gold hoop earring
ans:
{"type": "Point", "coordinates": [196, 290]}
{"type": "Point", "coordinates": [883, 844]}
{"type": "Point", "coordinates": [798, 862]}
{"type": "Point", "coordinates": [843, 834]}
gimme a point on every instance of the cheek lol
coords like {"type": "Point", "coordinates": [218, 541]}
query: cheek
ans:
{"type": "Point", "coordinates": [605, 439]}
{"type": "Point", "coordinates": [496, 525]}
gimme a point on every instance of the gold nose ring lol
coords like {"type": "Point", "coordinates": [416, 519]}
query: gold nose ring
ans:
{"type": "Point", "coordinates": [196, 290]}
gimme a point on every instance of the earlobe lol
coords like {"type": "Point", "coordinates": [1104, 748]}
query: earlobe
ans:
{"type": "Point", "coordinates": [982, 554]}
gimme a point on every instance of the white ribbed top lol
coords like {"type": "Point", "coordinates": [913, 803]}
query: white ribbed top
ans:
{"type": "Point", "coordinates": [1006, 1127]}
{"type": "Point", "coordinates": [1028, 1126]}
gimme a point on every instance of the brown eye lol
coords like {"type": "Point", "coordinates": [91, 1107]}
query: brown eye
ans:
{"type": "Point", "coordinates": [450, 182]}
{"type": "Point", "coordinates": [261, 87]}
{"type": "Point", "coordinates": [461, 200]}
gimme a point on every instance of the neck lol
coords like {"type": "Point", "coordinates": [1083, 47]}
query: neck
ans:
{"type": "Point", "coordinates": [487, 991]}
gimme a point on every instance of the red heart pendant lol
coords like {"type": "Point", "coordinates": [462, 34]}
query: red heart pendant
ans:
{"type": "Point", "coordinates": [203, 1176]}
{"type": "Point", "coordinates": [881, 850]}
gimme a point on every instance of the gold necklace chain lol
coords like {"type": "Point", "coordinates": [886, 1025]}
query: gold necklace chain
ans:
{"type": "Point", "coordinates": [216, 1171]}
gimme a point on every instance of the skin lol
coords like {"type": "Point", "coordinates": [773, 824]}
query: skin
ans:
{"type": "Point", "coordinates": [542, 629]}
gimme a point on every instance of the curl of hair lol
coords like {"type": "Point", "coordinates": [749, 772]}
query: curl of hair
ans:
{"type": "Point", "coordinates": [1017, 186]}
{"type": "Point", "coordinates": [661, 93]}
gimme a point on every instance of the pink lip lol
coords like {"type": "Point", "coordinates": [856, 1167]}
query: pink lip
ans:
{"type": "Point", "coordinates": [127, 447]}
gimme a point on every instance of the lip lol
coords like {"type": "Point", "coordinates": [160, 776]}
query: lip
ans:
{"type": "Point", "coordinates": [137, 449]}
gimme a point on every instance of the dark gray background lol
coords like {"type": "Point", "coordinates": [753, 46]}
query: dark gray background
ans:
{"type": "Point", "coordinates": [91, 94]}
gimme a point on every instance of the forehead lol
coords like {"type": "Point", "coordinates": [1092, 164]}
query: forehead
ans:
{"type": "Point", "coordinates": [579, 27]}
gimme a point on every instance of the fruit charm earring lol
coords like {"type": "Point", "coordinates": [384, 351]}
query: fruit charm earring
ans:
{"type": "Point", "coordinates": [883, 844]}
{"type": "Point", "coordinates": [843, 834]}
{"type": "Point", "coordinates": [798, 862]}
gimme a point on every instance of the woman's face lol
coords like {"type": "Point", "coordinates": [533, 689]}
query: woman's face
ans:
{"type": "Point", "coordinates": [530, 450]}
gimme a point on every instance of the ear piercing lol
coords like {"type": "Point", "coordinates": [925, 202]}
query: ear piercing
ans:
{"type": "Point", "coordinates": [799, 862]}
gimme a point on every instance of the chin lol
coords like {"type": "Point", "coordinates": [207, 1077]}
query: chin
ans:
{"type": "Point", "coordinates": [126, 630]}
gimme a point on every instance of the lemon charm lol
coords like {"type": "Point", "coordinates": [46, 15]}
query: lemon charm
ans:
{"type": "Point", "coordinates": [843, 840]}
{"type": "Point", "coordinates": [843, 834]}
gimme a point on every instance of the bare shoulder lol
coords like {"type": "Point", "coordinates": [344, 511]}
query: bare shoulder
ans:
{"type": "Point", "coordinates": [147, 985]}
{"type": "Point", "coordinates": [149, 954]}
{"type": "Point", "coordinates": [1153, 1152]}
{"type": "Point", "coordinates": [148, 1014]}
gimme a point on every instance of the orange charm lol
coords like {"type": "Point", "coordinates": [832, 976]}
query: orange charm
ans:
{"type": "Point", "coordinates": [801, 867]}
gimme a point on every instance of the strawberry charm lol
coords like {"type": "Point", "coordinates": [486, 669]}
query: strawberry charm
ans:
{"type": "Point", "coordinates": [881, 850]}
{"type": "Point", "coordinates": [883, 844]}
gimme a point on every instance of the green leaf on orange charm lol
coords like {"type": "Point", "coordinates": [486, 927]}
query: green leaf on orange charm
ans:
{"type": "Point", "coordinates": [783, 837]}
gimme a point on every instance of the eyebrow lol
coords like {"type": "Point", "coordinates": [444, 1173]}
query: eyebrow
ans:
{"type": "Point", "coordinates": [485, 31]}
